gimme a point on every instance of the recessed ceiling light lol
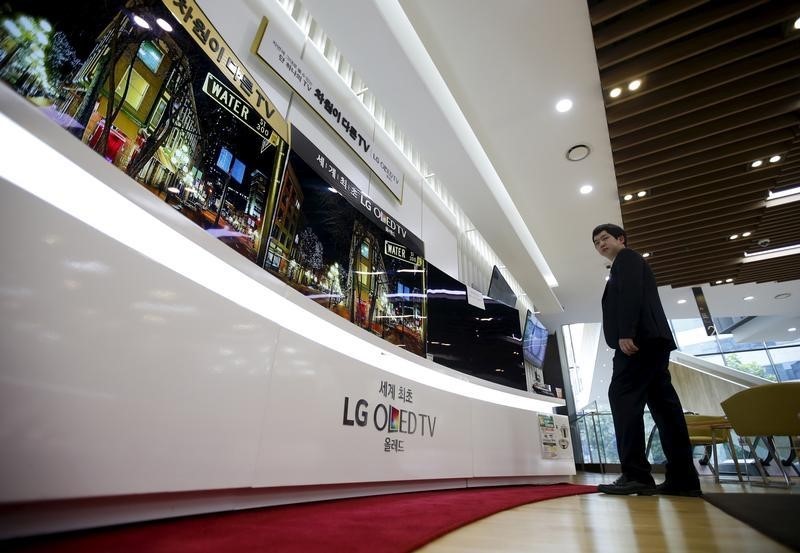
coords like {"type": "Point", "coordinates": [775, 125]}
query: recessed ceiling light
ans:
{"type": "Point", "coordinates": [718, 282]}
{"type": "Point", "coordinates": [627, 197]}
{"type": "Point", "coordinates": [797, 23]}
{"type": "Point", "coordinates": [578, 152]}
{"type": "Point", "coordinates": [728, 280]}
{"type": "Point", "coordinates": [746, 234]}
{"type": "Point", "coordinates": [615, 92]}
{"type": "Point", "coordinates": [164, 25]}
{"type": "Point", "coordinates": [564, 105]}
{"type": "Point", "coordinates": [141, 22]}
{"type": "Point", "coordinates": [749, 298]}
{"type": "Point", "coordinates": [681, 302]}
{"type": "Point", "coordinates": [607, 277]}
{"type": "Point", "coordinates": [756, 163]}
{"type": "Point", "coordinates": [783, 296]}
{"type": "Point", "coordinates": [634, 85]}
{"type": "Point", "coordinates": [733, 237]}
{"type": "Point", "coordinates": [646, 254]}
{"type": "Point", "coordinates": [774, 159]}
{"type": "Point", "coordinates": [586, 188]}
{"type": "Point", "coordinates": [641, 193]}
{"type": "Point", "coordinates": [792, 329]}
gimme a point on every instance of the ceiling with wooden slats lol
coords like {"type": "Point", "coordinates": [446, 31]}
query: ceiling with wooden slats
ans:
{"type": "Point", "coordinates": [720, 89]}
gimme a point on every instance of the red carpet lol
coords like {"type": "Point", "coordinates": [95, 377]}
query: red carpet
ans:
{"type": "Point", "coordinates": [386, 523]}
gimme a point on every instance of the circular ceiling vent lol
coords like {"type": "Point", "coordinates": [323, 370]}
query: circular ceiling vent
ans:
{"type": "Point", "coordinates": [783, 296]}
{"type": "Point", "coordinates": [578, 152]}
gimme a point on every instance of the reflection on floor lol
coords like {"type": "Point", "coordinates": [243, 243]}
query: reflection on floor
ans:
{"type": "Point", "coordinates": [602, 523]}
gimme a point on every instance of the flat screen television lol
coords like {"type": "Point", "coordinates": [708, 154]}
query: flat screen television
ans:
{"type": "Point", "coordinates": [534, 340]}
{"type": "Point", "coordinates": [500, 290]}
{"type": "Point", "coordinates": [484, 343]}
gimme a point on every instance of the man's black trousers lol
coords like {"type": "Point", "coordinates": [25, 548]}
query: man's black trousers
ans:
{"type": "Point", "coordinates": [643, 379]}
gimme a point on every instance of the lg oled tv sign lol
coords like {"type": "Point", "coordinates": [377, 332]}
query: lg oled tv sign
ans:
{"type": "Point", "coordinates": [398, 420]}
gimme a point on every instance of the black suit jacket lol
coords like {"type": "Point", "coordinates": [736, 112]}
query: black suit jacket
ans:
{"type": "Point", "coordinates": [631, 306]}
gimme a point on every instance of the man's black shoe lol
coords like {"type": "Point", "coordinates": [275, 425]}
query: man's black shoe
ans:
{"type": "Point", "coordinates": [625, 486]}
{"type": "Point", "coordinates": [666, 488]}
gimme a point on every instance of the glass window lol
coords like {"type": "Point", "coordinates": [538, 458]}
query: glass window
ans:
{"type": "Point", "coordinates": [692, 338]}
{"type": "Point", "coordinates": [787, 362]}
{"type": "Point", "coordinates": [158, 113]}
{"type": "Point", "coordinates": [151, 55]}
{"type": "Point", "coordinates": [751, 362]}
{"type": "Point", "coordinates": [714, 358]}
{"type": "Point", "coordinates": [136, 90]}
{"type": "Point", "coordinates": [727, 344]}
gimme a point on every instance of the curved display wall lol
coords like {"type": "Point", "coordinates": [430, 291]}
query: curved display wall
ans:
{"type": "Point", "coordinates": [148, 352]}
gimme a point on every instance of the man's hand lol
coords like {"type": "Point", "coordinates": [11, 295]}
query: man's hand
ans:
{"type": "Point", "coordinates": [627, 346]}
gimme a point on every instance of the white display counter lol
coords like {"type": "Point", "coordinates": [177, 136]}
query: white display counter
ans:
{"type": "Point", "coordinates": [149, 370]}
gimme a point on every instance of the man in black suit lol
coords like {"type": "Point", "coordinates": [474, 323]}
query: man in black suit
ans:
{"type": "Point", "coordinates": [635, 326]}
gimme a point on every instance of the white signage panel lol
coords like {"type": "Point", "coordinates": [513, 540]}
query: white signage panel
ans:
{"type": "Point", "coordinates": [555, 438]}
{"type": "Point", "coordinates": [332, 419]}
{"type": "Point", "coordinates": [475, 298]}
{"type": "Point", "coordinates": [507, 442]}
{"type": "Point", "coordinates": [306, 70]}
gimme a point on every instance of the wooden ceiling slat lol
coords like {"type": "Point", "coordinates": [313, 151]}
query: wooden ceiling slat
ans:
{"type": "Point", "coordinates": [783, 97]}
{"type": "Point", "coordinates": [712, 113]}
{"type": "Point", "coordinates": [710, 97]}
{"type": "Point", "coordinates": [667, 248]}
{"type": "Point", "coordinates": [704, 255]}
{"type": "Point", "coordinates": [603, 11]}
{"type": "Point", "coordinates": [702, 215]}
{"type": "Point", "coordinates": [702, 194]}
{"type": "Point", "coordinates": [725, 199]}
{"type": "Point", "coordinates": [700, 245]}
{"type": "Point", "coordinates": [774, 13]}
{"type": "Point", "coordinates": [777, 126]}
{"type": "Point", "coordinates": [714, 237]}
{"type": "Point", "coordinates": [703, 63]}
{"type": "Point", "coordinates": [691, 182]}
{"type": "Point", "coordinates": [643, 20]}
{"type": "Point", "coordinates": [686, 267]}
{"type": "Point", "coordinates": [663, 163]}
{"type": "Point", "coordinates": [771, 274]}
{"type": "Point", "coordinates": [715, 78]}
{"type": "Point", "coordinates": [770, 270]}
{"type": "Point", "coordinates": [727, 124]}
{"type": "Point", "coordinates": [712, 102]}
{"type": "Point", "coordinates": [720, 270]}
{"type": "Point", "coordinates": [669, 33]}
{"type": "Point", "coordinates": [664, 232]}
{"type": "Point", "coordinates": [670, 174]}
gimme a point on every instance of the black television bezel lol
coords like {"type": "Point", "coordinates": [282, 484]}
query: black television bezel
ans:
{"type": "Point", "coordinates": [474, 341]}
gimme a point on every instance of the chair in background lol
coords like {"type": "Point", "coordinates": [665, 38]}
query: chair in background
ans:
{"type": "Point", "coordinates": [710, 431]}
{"type": "Point", "coordinates": [767, 411]}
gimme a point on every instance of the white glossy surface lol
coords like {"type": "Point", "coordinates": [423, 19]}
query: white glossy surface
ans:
{"type": "Point", "coordinates": [507, 442]}
{"type": "Point", "coordinates": [137, 349]}
{"type": "Point", "coordinates": [119, 375]}
{"type": "Point", "coordinates": [306, 442]}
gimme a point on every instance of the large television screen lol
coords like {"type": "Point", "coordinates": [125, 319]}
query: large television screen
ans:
{"type": "Point", "coordinates": [485, 343]}
{"type": "Point", "coordinates": [500, 290]}
{"type": "Point", "coordinates": [322, 245]}
{"type": "Point", "coordinates": [534, 340]}
{"type": "Point", "coordinates": [154, 103]}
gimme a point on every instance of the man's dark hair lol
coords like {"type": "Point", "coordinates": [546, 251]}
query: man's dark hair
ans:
{"type": "Point", "coordinates": [612, 229]}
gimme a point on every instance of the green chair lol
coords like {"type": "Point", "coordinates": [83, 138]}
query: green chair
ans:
{"type": "Point", "coordinates": [709, 431]}
{"type": "Point", "coordinates": [766, 411]}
